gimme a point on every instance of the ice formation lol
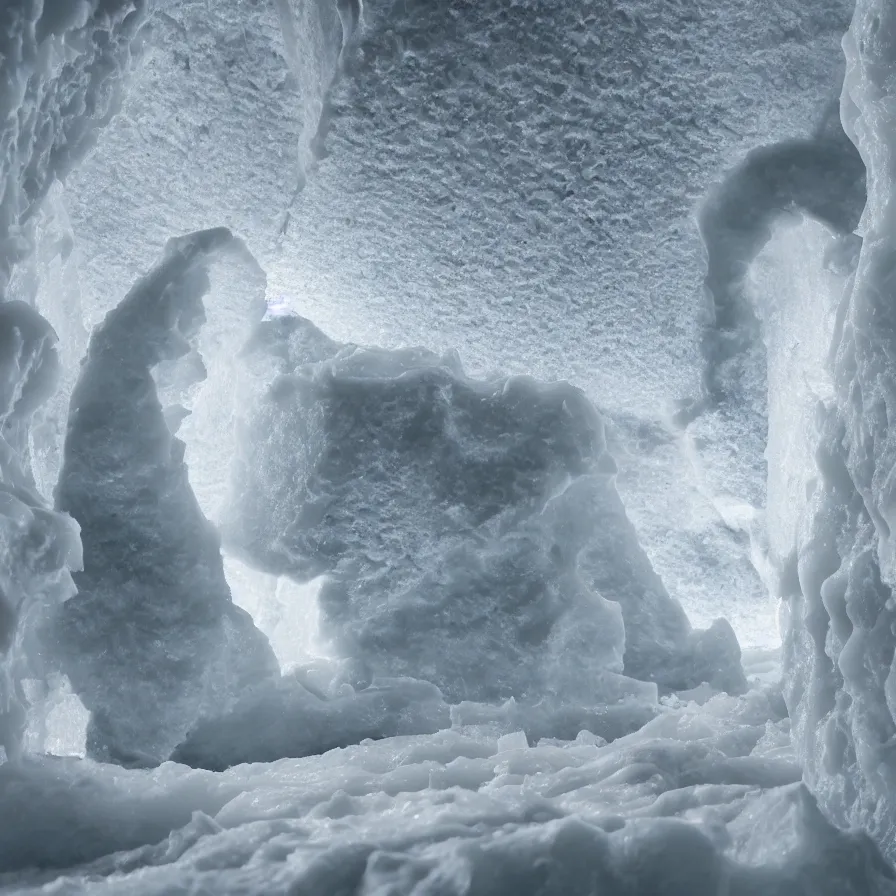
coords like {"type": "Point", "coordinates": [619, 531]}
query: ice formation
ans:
{"type": "Point", "coordinates": [39, 547]}
{"type": "Point", "coordinates": [839, 577]}
{"type": "Point", "coordinates": [470, 531]}
{"type": "Point", "coordinates": [152, 641]}
{"type": "Point", "coordinates": [523, 194]}
{"type": "Point", "coordinates": [517, 181]}
{"type": "Point", "coordinates": [289, 719]}
{"type": "Point", "coordinates": [63, 69]}
{"type": "Point", "coordinates": [822, 177]}
{"type": "Point", "coordinates": [704, 800]}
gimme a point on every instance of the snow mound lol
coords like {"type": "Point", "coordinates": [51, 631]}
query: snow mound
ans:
{"type": "Point", "coordinates": [470, 531]}
{"type": "Point", "coordinates": [152, 641]}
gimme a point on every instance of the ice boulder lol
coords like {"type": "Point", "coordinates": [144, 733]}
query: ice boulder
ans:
{"type": "Point", "coordinates": [470, 532]}
{"type": "Point", "coordinates": [37, 546]}
{"type": "Point", "coordinates": [153, 640]}
{"type": "Point", "coordinates": [841, 612]}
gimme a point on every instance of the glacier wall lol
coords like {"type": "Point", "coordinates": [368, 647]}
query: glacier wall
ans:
{"type": "Point", "coordinates": [838, 582]}
{"type": "Point", "coordinates": [63, 67]}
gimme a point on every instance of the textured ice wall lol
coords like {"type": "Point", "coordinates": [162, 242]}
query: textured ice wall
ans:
{"type": "Point", "coordinates": [63, 66]}
{"type": "Point", "coordinates": [62, 69]}
{"type": "Point", "coordinates": [842, 613]}
{"type": "Point", "coordinates": [470, 531]}
{"type": "Point", "coordinates": [37, 546]}
{"type": "Point", "coordinates": [152, 640]}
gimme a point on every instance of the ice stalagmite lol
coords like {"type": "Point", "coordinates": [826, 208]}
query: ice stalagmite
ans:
{"type": "Point", "coordinates": [841, 675]}
{"type": "Point", "coordinates": [470, 531]}
{"type": "Point", "coordinates": [152, 641]}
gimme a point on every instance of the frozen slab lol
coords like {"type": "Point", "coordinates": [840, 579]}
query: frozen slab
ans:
{"type": "Point", "coordinates": [152, 641]}
{"type": "Point", "coordinates": [470, 531]}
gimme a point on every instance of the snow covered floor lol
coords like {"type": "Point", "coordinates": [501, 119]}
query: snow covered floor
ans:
{"type": "Point", "coordinates": [516, 181]}
{"type": "Point", "coordinates": [703, 800]}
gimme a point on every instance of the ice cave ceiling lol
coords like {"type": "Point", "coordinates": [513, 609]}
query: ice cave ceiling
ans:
{"type": "Point", "coordinates": [445, 447]}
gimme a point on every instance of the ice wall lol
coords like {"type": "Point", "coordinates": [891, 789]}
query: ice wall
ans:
{"type": "Point", "coordinates": [63, 66]}
{"type": "Point", "coordinates": [62, 69]}
{"type": "Point", "coordinates": [842, 612]}
{"type": "Point", "coordinates": [152, 641]}
{"type": "Point", "coordinates": [470, 531]}
{"type": "Point", "coordinates": [38, 547]}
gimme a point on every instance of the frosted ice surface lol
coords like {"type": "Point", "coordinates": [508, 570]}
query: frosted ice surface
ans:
{"type": "Point", "coordinates": [287, 720]}
{"type": "Point", "coordinates": [705, 799]}
{"type": "Point", "coordinates": [37, 546]}
{"type": "Point", "coordinates": [468, 200]}
{"type": "Point", "coordinates": [62, 68]}
{"type": "Point", "coordinates": [152, 640]}
{"type": "Point", "coordinates": [470, 531]}
{"type": "Point", "coordinates": [839, 579]}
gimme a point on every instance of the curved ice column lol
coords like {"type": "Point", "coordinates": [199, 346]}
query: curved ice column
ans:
{"type": "Point", "coordinates": [841, 633]}
{"type": "Point", "coordinates": [470, 531]}
{"type": "Point", "coordinates": [152, 641]}
{"type": "Point", "coordinates": [823, 177]}
{"type": "Point", "coordinates": [37, 546]}
{"type": "Point", "coordinates": [62, 68]}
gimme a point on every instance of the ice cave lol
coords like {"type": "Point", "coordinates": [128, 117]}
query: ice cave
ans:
{"type": "Point", "coordinates": [445, 447]}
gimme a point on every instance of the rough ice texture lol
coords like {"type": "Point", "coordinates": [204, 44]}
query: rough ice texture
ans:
{"type": "Point", "coordinates": [822, 177]}
{"type": "Point", "coordinates": [287, 720]}
{"type": "Point", "coordinates": [37, 546]}
{"type": "Point", "coordinates": [470, 531]}
{"type": "Point", "coordinates": [466, 198]}
{"type": "Point", "coordinates": [314, 709]}
{"type": "Point", "coordinates": [704, 800]}
{"type": "Point", "coordinates": [842, 613]}
{"type": "Point", "coordinates": [62, 68]}
{"type": "Point", "coordinates": [152, 640]}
